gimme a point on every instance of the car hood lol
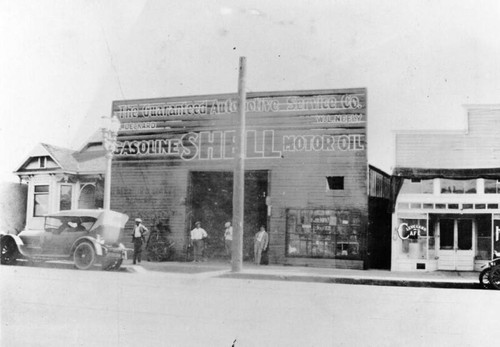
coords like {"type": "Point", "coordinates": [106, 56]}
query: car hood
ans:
{"type": "Point", "coordinates": [109, 225]}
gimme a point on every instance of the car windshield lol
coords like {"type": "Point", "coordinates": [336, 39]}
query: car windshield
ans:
{"type": "Point", "coordinates": [68, 224]}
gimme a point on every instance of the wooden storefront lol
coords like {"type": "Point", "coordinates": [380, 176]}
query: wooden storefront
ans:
{"type": "Point", "coordinates": [306, 170]}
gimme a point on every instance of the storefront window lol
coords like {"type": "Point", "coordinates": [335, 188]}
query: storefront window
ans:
{"type": "Point", "coordinates": [65, 197]}
{"type": "Point", "coordinates": [41, 200]}
{"type": "Point", "coordinates": [458, 186]}
{"type": "Point", "coordinates": [484, 238]}
{"type": "Point", "coordinates": [417, 186]}
{"type": "Point", "coordinates": [414, 237]}
{"type": "Point", "coordinates": [432, 240]}
{"type": "Point", "coordinates": [491, 186]}
{"type": "Point", "coordinates": [323, 234]}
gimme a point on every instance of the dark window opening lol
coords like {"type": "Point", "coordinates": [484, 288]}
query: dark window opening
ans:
{"type": "Point", "coordinates": [335, 182]}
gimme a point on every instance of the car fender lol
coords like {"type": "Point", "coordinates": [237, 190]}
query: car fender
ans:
{"type": "Point", "coordinates": [16, 239]}
{"type": "Point", "coordinates": [93, 241]}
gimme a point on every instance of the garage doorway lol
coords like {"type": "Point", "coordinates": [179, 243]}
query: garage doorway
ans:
{"type": "Point", "coordinates": [211, 203]}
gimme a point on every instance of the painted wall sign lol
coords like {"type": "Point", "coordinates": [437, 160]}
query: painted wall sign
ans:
{"type": "Point", "coordinates": [204, 107]}
{"type": "Point", "coordinates": [342, 108]}
{"type": "Point", "coordinates": [217, 145]}
{"type": "Point", "coordinates": [413, 231]}
{"type": "Point", "coordinates": [356, 118]}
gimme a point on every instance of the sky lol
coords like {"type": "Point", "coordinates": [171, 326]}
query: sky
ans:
{"type": "Point", "coordinates": [64, 62]}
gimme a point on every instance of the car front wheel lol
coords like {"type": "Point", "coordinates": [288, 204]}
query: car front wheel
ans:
{"type": "Point", "coordinates": [495, 277]}
{"type": "Point", "coordinates": [9, 251]}
{"type": "Point", "coordinates": [484, 278]}
{"type": "Point", "coordinates": [84, 256]}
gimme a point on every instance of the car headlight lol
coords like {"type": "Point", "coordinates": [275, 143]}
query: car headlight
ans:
{"type": "Point", "coordinates": [100, 239]}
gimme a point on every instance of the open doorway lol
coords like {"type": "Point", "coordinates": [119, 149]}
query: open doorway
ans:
{"type": "Point", "coordinates": [211, 203]}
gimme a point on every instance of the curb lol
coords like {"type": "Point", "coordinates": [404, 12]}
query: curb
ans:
{"type": "Point", "coordinates": [356, 281]}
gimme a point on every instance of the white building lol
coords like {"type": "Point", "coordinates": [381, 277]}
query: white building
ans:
{"type": "Point", "coordinates": [447, 214]}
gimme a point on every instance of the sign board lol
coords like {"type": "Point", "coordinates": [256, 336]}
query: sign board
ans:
{"type": "Point", "coordinates": [204, 127]}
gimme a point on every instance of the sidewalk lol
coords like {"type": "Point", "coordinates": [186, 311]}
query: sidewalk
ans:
{"type": "Point", "coordinates": [438, 279]}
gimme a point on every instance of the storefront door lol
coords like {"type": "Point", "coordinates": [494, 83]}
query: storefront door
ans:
{"type": "Point", "coordinates": [456, 247]}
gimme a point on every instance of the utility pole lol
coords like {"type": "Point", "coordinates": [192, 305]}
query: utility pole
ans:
{"type": "Point", "coordinates": [239, 175]}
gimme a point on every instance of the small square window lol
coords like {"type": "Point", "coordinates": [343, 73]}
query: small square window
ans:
{"type": "Point", "coordinates": [335, 182]}
{"type": "Point", "coordinates": [403, 206]}
{"type": "Point", "coordinates": [42, 189]}
{"type": "Point", "coordinates": [42, 162]}
{"type": "Point", "coordinates": [420, 266]}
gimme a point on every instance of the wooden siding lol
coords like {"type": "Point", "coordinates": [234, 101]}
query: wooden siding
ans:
{"type": "Point", "coordinates": [379, 184]}
{"type": "Point", "coordinates": [298, 148]}
{"type": "Point", "coordinates": [477, 147]}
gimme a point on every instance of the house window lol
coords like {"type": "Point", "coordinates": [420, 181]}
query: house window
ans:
{"type": "Point", "coordinates": [42, 162]}
{"type": "Point", "coordinates": [41, 200]}
{"type": "Point", "coordinates": [335, 182]}
{"type": "Point", "coordinates": [65, 197]}
{"type": "Point", "coordinates": [458, 186]}
{"type": "Point", "coordinates": [91, 196]}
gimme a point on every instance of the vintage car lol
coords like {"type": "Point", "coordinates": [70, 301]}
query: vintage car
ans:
{"type": "Point", "coordinates": [88, 237]}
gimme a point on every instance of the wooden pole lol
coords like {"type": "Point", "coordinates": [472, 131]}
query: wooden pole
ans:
{"type": "Point", "coordinates": [107, 181]}
{"type": "Point", "coordinates": [239, 175]}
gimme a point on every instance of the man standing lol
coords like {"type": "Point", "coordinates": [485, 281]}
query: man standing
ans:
{"type": "Point", "coordinates": [228, 238]}
{"type": "Point", "coordinates": [138, 238]}
{"type": "Point", "coordinates": [198, 235]}
{"type": "Point", "coordinates": [260, 244]}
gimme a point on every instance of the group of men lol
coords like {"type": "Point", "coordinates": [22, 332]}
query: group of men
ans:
{"type": "Point", "coordinates": [198, 236]}
{"type": "Point", "coordinates": [197, 240]}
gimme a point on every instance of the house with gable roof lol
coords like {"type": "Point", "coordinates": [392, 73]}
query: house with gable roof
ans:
{"type": "Point", "coordinates": [62, 179]}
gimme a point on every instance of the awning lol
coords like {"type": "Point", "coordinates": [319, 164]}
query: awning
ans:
{"type": "Point", "coordinates": [458, 174]}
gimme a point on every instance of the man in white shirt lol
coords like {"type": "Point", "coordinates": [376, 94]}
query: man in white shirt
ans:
{"type": "Point", "coordinates": [228, 238]}
{"type": "Point", "coordinates": [138, 238]}
{"type": "Point", "coordinates": [198, 235]}
{"type": "Point", "coordinates": [260, 244]}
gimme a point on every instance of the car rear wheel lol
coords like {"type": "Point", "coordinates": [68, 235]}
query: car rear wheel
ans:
{"type": "Point", "coordinates": [84, 256]}
{"type": "Point", "coordinates": [9, 251]}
